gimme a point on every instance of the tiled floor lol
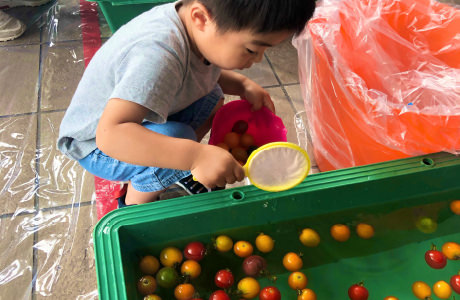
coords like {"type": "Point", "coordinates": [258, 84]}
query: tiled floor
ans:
{"type": "Point", "coordinates": [47, 211]}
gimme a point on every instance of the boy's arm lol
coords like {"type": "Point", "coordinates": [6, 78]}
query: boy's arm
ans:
{"type": "Point", "coordinates": [233, 83]}
{"type": "Point", "coordinates": [120, 135]}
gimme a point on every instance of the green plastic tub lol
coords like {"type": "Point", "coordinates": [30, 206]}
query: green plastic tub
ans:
{"type": "Point", "coordinates": [391, 196]}
{"type": "Point", "coordinates": [119, 12]}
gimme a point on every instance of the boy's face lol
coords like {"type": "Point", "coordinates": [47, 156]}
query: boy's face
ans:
{"type": "Point", "coordinates": [236, 49]}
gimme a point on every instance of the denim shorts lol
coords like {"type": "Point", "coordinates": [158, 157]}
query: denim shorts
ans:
{"type": "Point", "coordinates": [149, 179]}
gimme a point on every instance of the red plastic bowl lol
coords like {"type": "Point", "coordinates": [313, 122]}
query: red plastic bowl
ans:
{"type": "Point", "coordinates": [264, 126]}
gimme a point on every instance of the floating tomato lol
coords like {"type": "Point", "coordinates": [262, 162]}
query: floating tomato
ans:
{"type": "Point", "coordinates": [270, 293]}
{"type": "Point", "coordinates": [358, 292]}
{"type": "Point", "coordinates": [435, 259]}
{"type": "Point", "coordinates": [224, 279]}
{"type": "Point", "coordinates": [195, 251]}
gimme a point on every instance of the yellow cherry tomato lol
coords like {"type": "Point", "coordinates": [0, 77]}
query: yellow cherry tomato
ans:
{"type": "Point", "coordinates": [191, 268]}
{"type": "Point", "coordinates": [292, 262]}
{"type": "Point", "coordinates": [149, 265]}
{"type": "Point", "coordinates": [365, 231]}
{"type": "Point", "coordinates": [309, 237]}
{"type": "Point", "coordinates": [170, 256]}
{"type": "Point", "coordinates": [455, 207]}
{"type": "Point", "coordinates": [243, 248]}
{"type": "Point", "coordinates": [421, 290]}
{"type": "Point", "coordinates": [306, 294]}
{"type": "Point", "coordinates": [297, 281]}
{"type": "Point", "coordinates": [223, 243]}
{"type": "Point", "coordinates": [152, 297]}
{"type": "Point", "coordinates": [184, 291]}
{"type": "Point", "coordinates": [340, 232]}
{"type": "Point", "coordinates": [442, 290]}
{"type": "Point", "coordinates": [451, 250]}
{"type": "Point", "coordinates": [426, 225]}
{"type": "Point", "coordinates": [391, 298]}
{"type": "Point", "coordinates": [264, 243]}
{"type": "Point", "coordinates": [248, 287]}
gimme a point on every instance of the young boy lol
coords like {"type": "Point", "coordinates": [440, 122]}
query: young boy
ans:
{"type": "Point", "coordinates": [149, 94]}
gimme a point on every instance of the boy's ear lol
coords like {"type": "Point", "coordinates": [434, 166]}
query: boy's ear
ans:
{"type": "Point", "coordinates": [199, 15]}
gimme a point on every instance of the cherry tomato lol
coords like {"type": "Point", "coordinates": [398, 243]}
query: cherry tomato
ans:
{"type": "Point", "coordinates": [243, 248]}
{"type": "Point", "coordinates": [455, 283]}
{"type": "Point", "coordinates": [146, 285]}
{"type": "Point", "coordinates": [390, 298]}
{"type": "Point", "coordinates": [292, 262]}
{"type": "Point", "coordinates": [365, 231]}
{"type": "Point", "coordinates": [421, 290]}
{"type": "Point", "coordinates": [184, 291]}
{"type": "Point", "coordinates": [195, 251]}
{"type": "Point", "coordinates": [170, 256]}
{"type": "Point", "coordinates": [149, 265]}
{"type": "Point", "coordinates": [152, 297]}
{"type": "Point", "coordinates": [435, 258]}
{"type": "Point", "coordinates": [264, 243]}
{"type": "Point", "coordinates": [232, 139]}
{"type": "Point", "coordinates": [340, 232]}
{"type": "Point", "coordinates": [451, 250]}
{"type": "Point", "coordinates": [270, 293]}
{"type": "Point", "coordinates": [426, 225]}
{"type": "Point", "coordinates": [442, 289]}
{"type": "Point", "coordinates": [219, 295]}
{"type": "Point", "coordinates": [224, 279]}
{"type": "Point", "coordinates": [455, 207]}
{"type": "Point", "coordinates": [309, 237]}
{"type": "Point", "coordinates": [248, 287]}
{"type": "Point", "coordinates": [190, 268]}
{"type": "Point", "coordinates": [223, 243]}
{"type": "Point", "coordinates": [307, 294]}
{"type": "Point", "coordinates": [358, 292]}
{"type": "Point", "coordinates": [297, 281]}
{"type": "Point", "coordinates": [167, 277]}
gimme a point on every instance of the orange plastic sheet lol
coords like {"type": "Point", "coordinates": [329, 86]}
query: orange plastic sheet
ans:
{"type": "Point", "coordinates": [381, 80]}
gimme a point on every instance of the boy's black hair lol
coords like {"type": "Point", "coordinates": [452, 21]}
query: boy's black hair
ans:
{"type": "Point", "coordinates": [259, 16]}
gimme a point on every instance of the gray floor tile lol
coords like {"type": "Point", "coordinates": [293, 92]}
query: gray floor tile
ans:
{"type": "Point", "coordinates": [62, 180]}
{"type": "Point", "coordinates": [63, 66]}
{"type": "Point", "coordinates": [295, 93]}
{"type": "Point", "coordinates": [16, 240]}
{"type": "Point", "coordinates": [19, 78]}
{"type": "Point", "coordinates": [17, 163]}
{"type": "Point", "coordinates": [261, 73]}
{"type": "Point", "coordinates": [284, 60]}
{"type": "Point", "coordinates": [65, 258]}
{"type": "Point", "coordinates": [64, 22]}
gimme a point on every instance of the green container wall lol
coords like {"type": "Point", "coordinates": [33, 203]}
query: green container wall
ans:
{"type": "Point", "coordinates": [390, 196]}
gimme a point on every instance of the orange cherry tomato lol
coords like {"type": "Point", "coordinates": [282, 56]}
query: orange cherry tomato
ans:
{"type": "Point", "coordinates": [306, 294]}
{"type": "Point", "coordinates": [184, 291]}
{"type": "Point", "coordinates": [223, 243]}
{"type": "Point", "coordinates": [390, 298]}
{"type": "Point", "coordinates": [340, 232]}
{"type": "Point", "coordinates": [170, 256]}
{"type": "Point", "coordinates": [365, 231]}
{"type": "Point", "coordinates": [146, 285]}
{"type": "Point", "coordinates": [149, 265]}
{"type": "Point", "coordinates": [455, 207]}
{"type": "Point", "coordinates": [451, 250]}
{"type": "Point", "coordinates": [248, 287]}
{"type": "Point", "coordinates": [232, 139]}
{"type": "Point", "coordinates": [264, 243]}
{"type": "Point", "coordinates": [292, 262]}
{"type": "Point", "coordinates": [421, 290]}
{"type": "Point", "coordinates": [243, 248]}
{"type": "Point", "coordinates": [191, 268]}
{"type": "Point", "coordinates": [309, 237]}
{"type": "Point", "coordinates": [442, 290]}
{"type": "Point", "coordinates": [297, 281]}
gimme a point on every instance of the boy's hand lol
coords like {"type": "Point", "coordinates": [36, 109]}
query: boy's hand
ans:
{"type": "Point", "coordinates": [213, 166]}
{"type": "Point", "coordinates": [257, 96]}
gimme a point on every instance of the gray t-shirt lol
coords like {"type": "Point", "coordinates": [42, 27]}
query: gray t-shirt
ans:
{"type": "Point", "coordinates": [148, 61]}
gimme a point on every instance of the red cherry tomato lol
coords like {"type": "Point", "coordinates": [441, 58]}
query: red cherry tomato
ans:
{"type": "Point", "coordinates": [455, 283]}
{"type": "Point", "coordinates": [435, 259]}
{"type": "Point", "coordinates": [195, 251]}
{"type": "Point", "coordinates": [219, 295]}
{"type": "Point", "coordinates": [224, 279]}
{"type": "Point", "coordinates": [358, 292]}
{"type": "Point", "coordinates": [270, 293]}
